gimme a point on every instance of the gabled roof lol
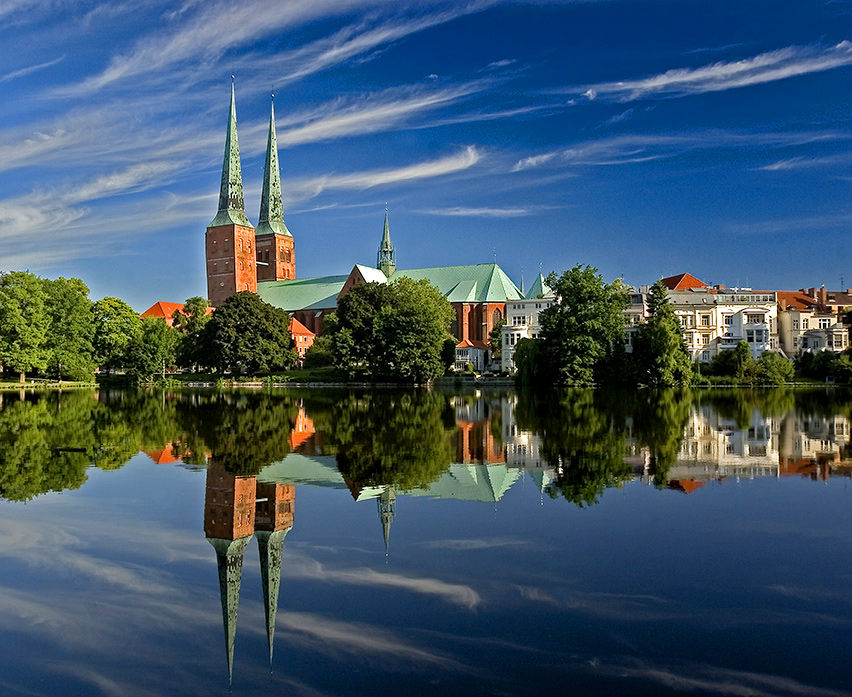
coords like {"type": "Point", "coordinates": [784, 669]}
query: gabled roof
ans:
{"type": "Point", "coordinates": [296, 327]}
{"type": "Point", "coordinates": [371, 275]}
{"type": "Point", "coordinates": [482, 282]}
{"type": "Point", "coordinates": [318, 293]}
{"type": "Point", "coordinates": [683, 281]}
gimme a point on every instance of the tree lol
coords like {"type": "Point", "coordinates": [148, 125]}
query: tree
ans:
{"type": "Point", "coordinates": [394, 331]}
{"type": "Point", "coordinates": [580, 328]}
{"type": "Point", "coordinates": [496, 338]}
{"type": "Point", "coordinates": [190, 324]}
{"type": "Point", "coordinates": [248, 336]}
{"type": "Point", "coordinates": [773, 369]}
{"type": "Point", "coordinates": [24, 323]}
{"type": "Point", "coordinates": [71, 330]}
{"type": "Point", "coordinates": [661, 356]}
{"type": "Point", "coordinates": [116, 325]}
{"type": "Point", "coordinates": [154, 350]}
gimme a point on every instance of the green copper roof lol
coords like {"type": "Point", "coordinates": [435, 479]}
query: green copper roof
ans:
{"type": "Point", "coordinates": [303, 293]}
{"type": "Point", "coordinates": [271, 218]}
{"type": "Point", "coordinates": [231, 207]}
{"type": "Point", "coordinates": [473, 283]}
{"type": "Point", "coordinates": [386, 257]}
{"type": "Point", "coordinates": [539, 288]}
{"type": "Point", "coordinates": [229, 559]}
{"type": "Point", "coordinates": [270, 546]}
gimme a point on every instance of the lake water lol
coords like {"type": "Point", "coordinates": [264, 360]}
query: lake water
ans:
{"type": "Point", "coordinates": [437, 543]}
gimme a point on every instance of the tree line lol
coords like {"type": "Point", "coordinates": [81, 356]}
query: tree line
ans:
{"type": "Point", "coordinates": [50, 328]}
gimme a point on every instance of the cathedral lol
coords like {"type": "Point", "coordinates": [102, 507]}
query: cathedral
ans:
{"type": "Point", "coordinates": [262, 260]}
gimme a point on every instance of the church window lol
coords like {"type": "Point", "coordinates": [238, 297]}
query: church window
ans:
{"type": "Point", "coordinates": [287, 257]}
{"type": "Point", "coordinates": [496, 316]}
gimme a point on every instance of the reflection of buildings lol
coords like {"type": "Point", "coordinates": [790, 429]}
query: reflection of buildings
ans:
{"type": "Point", "coordinates": [235, 509]}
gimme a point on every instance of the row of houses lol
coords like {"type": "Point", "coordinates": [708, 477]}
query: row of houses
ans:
{"type": "Point", "coordinates": [716, 318]}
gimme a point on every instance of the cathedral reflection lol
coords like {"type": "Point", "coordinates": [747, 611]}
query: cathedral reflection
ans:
{"type": "Point", "coordinates": [237, 508]}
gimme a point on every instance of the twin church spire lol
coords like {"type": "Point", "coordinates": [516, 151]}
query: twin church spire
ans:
{"type": "Point", "coordinates": [238, 254]}
{"type": "Point", "coordinates": [231, 203]}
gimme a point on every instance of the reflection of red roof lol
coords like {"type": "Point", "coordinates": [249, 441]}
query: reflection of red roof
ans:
{"type": "Point", "coordinates": [165, 311]}
{"type": "Point", "coordinates": [162, 457]}
{"type": "Point", "coordinates": [795, 299]}
{"type": "Point", "coordinates": [687, 486]}
{"type": "Point", "coordinates": [683, 281]}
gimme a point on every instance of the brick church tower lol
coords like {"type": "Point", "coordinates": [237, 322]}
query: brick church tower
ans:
{"type": "Point", "coordinates": [229, 242]}
{"type": "Point", "coordinates": [276, 254]}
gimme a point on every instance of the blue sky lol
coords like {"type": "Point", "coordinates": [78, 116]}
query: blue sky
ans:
{"type": "Point", "coordinates": [644, 138]}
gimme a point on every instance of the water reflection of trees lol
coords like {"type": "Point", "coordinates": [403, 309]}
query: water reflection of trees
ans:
{"type": "Point", "coordinates": [388, 438]}
{"type": "Point", "coordinates": [407, 440]}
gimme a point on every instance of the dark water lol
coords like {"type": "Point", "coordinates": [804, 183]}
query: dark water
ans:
{"type": "Point", "coordinates": [324, 543]}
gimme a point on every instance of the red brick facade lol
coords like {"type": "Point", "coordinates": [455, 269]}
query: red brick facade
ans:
{"type": "Point", "coordinates": [276, 255]}
{"type": "Point", "coordinates": [230, 252]}
{"type": "Point", "coordinates": [229, 504]}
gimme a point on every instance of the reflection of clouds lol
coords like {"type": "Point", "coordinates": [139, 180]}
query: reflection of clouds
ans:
{"type": "Point", "coordinates": [104, 684]}
{"type": "Point", "coordinates": [623, 606]}
{"type": "Point", "coordinates": [357, 638]}
{"type": "Point", "coordinates": [809, 594]}
{"type": "Point", "coordinates": [467, 545]}
{"type": "Point", "coordinates": [305, 568]}
{"type": "Point", "coordinates": [711, 679]}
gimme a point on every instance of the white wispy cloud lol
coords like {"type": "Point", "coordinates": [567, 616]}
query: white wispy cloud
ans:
{"type": "Point", "coordinates": [796, 224]}
{"type": "Point", "coordinates": [358, 638]}
{"type": "Point", "coordinates": [22, 72]}
{"type": "Point", "coordinates": [372, 113]}
{"type": "Point", "coordinates": [308, 188]}
{"type": "Point", "coordinates": [765, 67]}
{"type": "Point", "coordinates": [637, 147]}
{"type": "Point", "coordinates": [458, 594]}
{"type": "Point", "coordinates": [473, 212]}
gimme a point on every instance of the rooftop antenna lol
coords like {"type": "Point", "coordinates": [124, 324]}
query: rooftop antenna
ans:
{"type": "Point", "coordinates": [494, 252]}
{"type": "Point", "coordinates": [523, 292]}
{"type": "Point", "coordinates": [842, 284]}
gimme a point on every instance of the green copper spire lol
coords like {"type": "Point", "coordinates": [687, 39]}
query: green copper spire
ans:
{"type": "Point", "coordinates": [270, 546]}
{"type": "Point", "coordinates": [271, 218]}
{"type": "Point", "coordinates": [229, 559]}
{"type": "Point", "coordinates": [386, 260]}
{"type": "Point", "coordinates": [387, 510]}
{"type": "Point", "coordinates": [231, 207]}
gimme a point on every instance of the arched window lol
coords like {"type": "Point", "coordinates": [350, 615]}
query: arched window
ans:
{"type": "Point", "coordinates": [496, 316]}
{"type": "Point", "coordinates": [287, 256]}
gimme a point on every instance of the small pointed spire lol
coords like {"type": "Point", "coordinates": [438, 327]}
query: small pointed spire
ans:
{"type": "Point", "coordinates": [387, 511]}
{"type": "Point", "coordinates": [229, 559]}
{"type": "Point", "coordinates": [271, 218]}
{"type": "Point", "coordinates": [386, 258]}
{"type": "Point", "coordinates": [231, 207]}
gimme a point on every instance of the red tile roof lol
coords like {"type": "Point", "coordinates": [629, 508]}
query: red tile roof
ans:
{"type": "Point", "coordinates": [165, 311]}
{"type": "Point", "coordinates": [296, 327]}
{"type": "Point", "coordinates": [687, 486]}
{"type": "Point", "coordinates": [683, 281]}
{"type": "Point", "coordinates": [795, 299]}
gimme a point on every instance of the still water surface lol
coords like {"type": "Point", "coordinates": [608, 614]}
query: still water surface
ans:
{"type": "Point", "coordinates": [325, 543]}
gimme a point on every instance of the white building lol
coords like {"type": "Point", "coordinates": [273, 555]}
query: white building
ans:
{"type": "Point", "coordinates": [522, 320]}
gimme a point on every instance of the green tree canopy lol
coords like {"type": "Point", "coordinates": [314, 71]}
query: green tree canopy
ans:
{"type": "Point", "coordinates": [578, 331]}
{"type": "Point", "coordinates": [248, 336]}
{"type": "Point", "coordinates": [391, 331]}
{"type": "Point", "coordinates": [72, 329]}
{"type": "Point", "coordinates": [661, 356]}
{"type": "Point", "coordinates": [153, 351]}
{"type": "Point", "coordinates": [116, 325]}
{"type": "Point", "coordinates": [24, 323]}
